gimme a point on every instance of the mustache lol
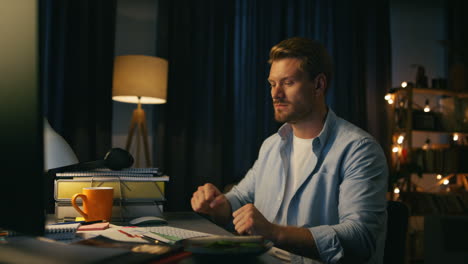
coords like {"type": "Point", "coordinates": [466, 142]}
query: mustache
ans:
{"type": "Point", "coordinates": [280, 101]}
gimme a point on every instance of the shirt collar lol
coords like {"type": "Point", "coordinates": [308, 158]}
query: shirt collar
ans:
{"type": "Point", "coordinates": [285, 131]}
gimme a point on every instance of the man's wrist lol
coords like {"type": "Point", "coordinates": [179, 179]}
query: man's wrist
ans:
{"type": "Point", "coordinates": [276, 234]}
{"type": "Point", "coordinates": [297, 240]}
{"type": "Point", "coordinates": [222, 214]}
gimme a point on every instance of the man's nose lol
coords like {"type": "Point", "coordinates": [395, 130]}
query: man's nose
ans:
{"type": "Point", "coordinates": [277, 92]}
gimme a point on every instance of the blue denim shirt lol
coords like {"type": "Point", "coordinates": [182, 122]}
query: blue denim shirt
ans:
{"type": "Point", "coordinates": [340, 199]}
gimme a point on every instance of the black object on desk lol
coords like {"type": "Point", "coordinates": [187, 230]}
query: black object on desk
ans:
{"type": "Point", "coordinates": [193, 221]}
{"type": "Point", "coordinates": [32, 250]}
{"type": "Point", "coordinates": [37, 251]}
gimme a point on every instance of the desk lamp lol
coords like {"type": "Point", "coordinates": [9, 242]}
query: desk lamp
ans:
{"type": "Point", "coordinates": [139, 79]}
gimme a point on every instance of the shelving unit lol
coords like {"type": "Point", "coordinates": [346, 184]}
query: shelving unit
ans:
{"type": "Point", "coordinates": [446, 171]}
{"type": "Point", "coordinates": [410, 125]}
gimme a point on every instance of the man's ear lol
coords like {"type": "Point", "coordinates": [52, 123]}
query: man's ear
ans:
{"type": "Point", "coordinates": [321, 84]}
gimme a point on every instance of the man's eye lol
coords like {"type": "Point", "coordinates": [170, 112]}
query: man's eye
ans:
{"type": "Point", "coordinates": [288, 83]}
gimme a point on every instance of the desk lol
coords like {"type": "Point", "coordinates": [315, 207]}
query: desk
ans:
{"type": "Point", "coordinates": [192, 221]}
{"type": "Point", "coordinates": [31, 250]}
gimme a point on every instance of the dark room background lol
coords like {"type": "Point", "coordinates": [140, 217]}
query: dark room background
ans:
{"type": "Point", "coordinates": [219, 107]}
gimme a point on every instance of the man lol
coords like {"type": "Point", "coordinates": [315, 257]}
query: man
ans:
{"type": "Point", "coordinates": [318, 186]}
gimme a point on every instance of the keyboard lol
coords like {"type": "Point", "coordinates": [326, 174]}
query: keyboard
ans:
{"type": "Point", "coordinates": [174, 233]}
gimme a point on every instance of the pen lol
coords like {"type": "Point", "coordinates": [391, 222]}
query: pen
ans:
{"type": "Point", "coordinates": [149, 239]}
{"type": "Point", "coordinates": [81, 222]}
{"type": "Point", "coordinates": [125, 233]}
{"type": "Point", "coordinates": [153, 240]}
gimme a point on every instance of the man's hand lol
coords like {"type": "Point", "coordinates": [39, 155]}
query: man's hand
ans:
{"type": "Point", "coordinates": [298, 240]}
{"type": "Point", "coordinates": [248, 220]}
{"type": "Point", "coordinates": [209, 200]}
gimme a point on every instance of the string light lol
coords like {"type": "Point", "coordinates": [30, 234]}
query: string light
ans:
{"type": "Point", "coordinates": [427, 144]}
{"type": "Point", "coordinates": [395, 149]}
{"type": "Point", "coordinates": [404, 84]}
{"type": "Point", "coordinates": [439, 176]}
{"type": "Point", "coordinates": [396, 190]}
{"type": "Point", "coordinates": [400, 139]}
{"type": "Point", "coordinates": [455, 137]}
{"type": "Point", "coordinates": [427, 108]}
{"type": "Point", "coordinates": [446, 182]}
{"type": "Point", "coordinates": [390, 97]}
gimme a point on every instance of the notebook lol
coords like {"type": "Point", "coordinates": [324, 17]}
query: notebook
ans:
{"type": "Point", "coordinates": [93, 227]}
{"type": "Point", "coordinates": [103, 172]}
{"type": "Point", "coordinates": [61, 231]}
{"type": "Point", "coordinates": [149, 189]}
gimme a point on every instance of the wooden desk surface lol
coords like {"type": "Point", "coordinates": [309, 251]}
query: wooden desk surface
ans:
{"type": "Point", "coordinates": [191, 220]}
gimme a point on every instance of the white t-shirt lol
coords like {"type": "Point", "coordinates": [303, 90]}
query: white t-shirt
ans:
{"type": "Point", "coordinates": [301, 154]}
{"type": "Point", "coordinates": [301, 157]}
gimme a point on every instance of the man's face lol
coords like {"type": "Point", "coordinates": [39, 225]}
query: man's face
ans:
{"type": "Point", "coordinates": [292, 91]}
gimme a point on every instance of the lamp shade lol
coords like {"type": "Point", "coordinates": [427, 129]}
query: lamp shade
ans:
{"type": "Point", "coordinates": [139, 76]}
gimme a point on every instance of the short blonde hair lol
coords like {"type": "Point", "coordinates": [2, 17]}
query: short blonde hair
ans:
{"type": "Point", "coordinates": [313, 55]}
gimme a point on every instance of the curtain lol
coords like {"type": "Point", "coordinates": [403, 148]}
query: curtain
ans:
{"type": "Point", "coordinates": [362, 56]}
{"type": "Point", "coordinates": [219, 107]}
{"type": "Point", "coordinates": [197, 118]}
{"type": "Point", "coordinates": [77, 62]}
{"type": "Point", "coordinates": [457, 44]}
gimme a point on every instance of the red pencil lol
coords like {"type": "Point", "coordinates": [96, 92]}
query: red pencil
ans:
{"type": "Point", "coordinates": [127, 234]}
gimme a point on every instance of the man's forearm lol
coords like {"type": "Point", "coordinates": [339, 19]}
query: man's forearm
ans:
{"type": "Point", "coordinates": [296, 240]}
{"type": "Point", "coordinates": [222, 215]}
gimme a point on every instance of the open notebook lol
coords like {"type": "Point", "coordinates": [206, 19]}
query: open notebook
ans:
{"type": "Point", "coordinates": [61, 231]}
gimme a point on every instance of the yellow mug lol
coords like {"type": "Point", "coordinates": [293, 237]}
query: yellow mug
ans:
{"type": "Point", "coordinates": [97, 203]}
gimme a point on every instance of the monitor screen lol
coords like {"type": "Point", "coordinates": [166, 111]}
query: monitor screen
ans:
{"type": "Point", "coordinates": [21, 174]}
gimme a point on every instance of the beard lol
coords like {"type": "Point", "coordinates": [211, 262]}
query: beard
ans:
{"type": "Point", "coordinates": [294, 113]}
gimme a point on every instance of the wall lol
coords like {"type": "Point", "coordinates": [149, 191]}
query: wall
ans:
{"type": "Point", "coordinates": [416, 28]}
{"type": "Point", "coordinates": [135, 34]}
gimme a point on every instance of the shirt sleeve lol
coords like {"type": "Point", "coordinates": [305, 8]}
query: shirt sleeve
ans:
{"type": "Point", "coordinates": [243, 193]}
{"type": "Point", "coordinates": [362, 207]}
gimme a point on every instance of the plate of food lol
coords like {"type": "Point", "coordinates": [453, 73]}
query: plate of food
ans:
{"type": "Point", "coordinates": [227, 245]}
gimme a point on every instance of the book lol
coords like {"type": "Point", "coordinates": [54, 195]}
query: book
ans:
{"type": "Point", "coordinates": [129, 172]}
{"type": "Point", "coordinates": [61, 231]}
{"type": "Point", "coordinates": [157, 251]}
{"type": "Point", "coordinates": [93, 227]}
{"type": "Point", "coordinates": [25, 249]}
{"type": "Point", "coordinates": [125, 188]}
{"type": "Point", "coordinates": [121, 212]}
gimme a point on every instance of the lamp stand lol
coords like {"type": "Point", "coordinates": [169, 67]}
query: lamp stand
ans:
{"type": "Point", "coordinates": [139, 122]}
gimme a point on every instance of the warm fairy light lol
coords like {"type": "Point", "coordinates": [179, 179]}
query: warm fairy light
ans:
{"type": "Point", "coordinates": [426, 144]}
{"type": "Point", "coordinates": [404, 84]}
{"type": "Point", "coordinates": [439, 176]}
{"type": "Point", "coordinates": [389, 98]}
{"type": "Point", "coordinates": [427, 108]}
{"type": "Point", "coordinates": [400, 139]}
{"type": "Point", "coordinates": [396, 190]}
{"type": "Point", "coordinates": [446, 182]}
{"type": "Point", "coordinates": [395, 149]}
{"type": "Point", "coordinates": [455, 137]}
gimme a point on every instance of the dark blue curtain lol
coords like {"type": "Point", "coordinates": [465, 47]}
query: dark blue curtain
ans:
{"type": "Point", "coordinates": [219, 107]}
{"type": "Point", "coordinates": [457, 44]}
{"type": "Point", "coordinates": [77, 57]}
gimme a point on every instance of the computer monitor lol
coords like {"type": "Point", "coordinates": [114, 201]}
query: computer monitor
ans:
{"type": "Point", "coordinates": [21, 138]}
